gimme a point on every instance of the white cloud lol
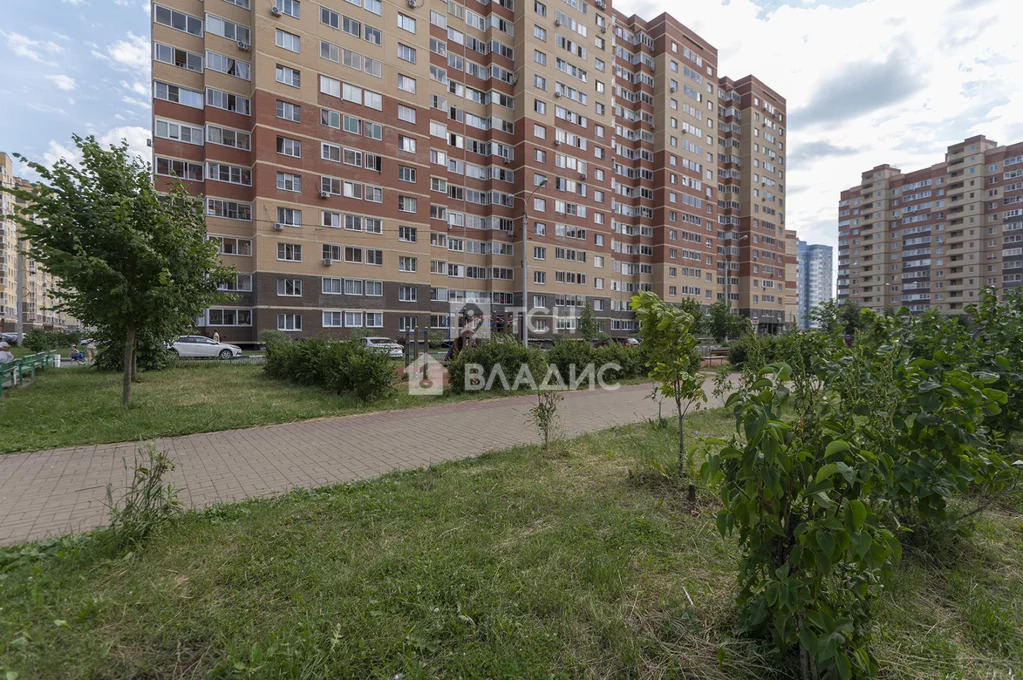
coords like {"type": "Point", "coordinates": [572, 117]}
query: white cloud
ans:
{"type": "Point", "coordinates": [36, 50]}
{"type": "Point", "coordinates": [63, 82]}
{"type": "Point", "coordinates": [940, 71]}
{"type": "Point", "coordinates": [133, 53]}
{"type": "Point", "coordinates": [133, 101]}
{"type": "Point", "coordinates": [134, 135]}
{"type": "Point", "coordinates": [138, 87]}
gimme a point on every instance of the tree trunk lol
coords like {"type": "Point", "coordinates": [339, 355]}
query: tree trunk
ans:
{"type": "Point", "coordinates": [134, 364]}
{"type": "Point", "coordinates": [129, 355]}
{"type": "Point", "coordinates": [682, 467]}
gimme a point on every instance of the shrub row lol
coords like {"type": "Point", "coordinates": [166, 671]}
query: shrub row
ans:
{"type": "Point", "coordinates": [842, 452]}
{"type": "Point", "coordinates": [42, 340]}
{"type": "Point", "coordinates": [341, 366]}
{"type": "Point", "coordinates": [565, 355]}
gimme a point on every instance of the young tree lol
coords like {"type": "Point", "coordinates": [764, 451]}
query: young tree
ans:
{"type": "Point", "coordinates": [723, 323]}
{"type": "Point", "coordinates": [588, 324]}
{"type": "Point", "coordinates": [129, 261]}
{"type": "Point", "coordinates": [667, 336]}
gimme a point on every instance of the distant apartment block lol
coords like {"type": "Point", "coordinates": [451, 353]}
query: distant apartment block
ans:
{"type": "Point", "coordinates": [366, 164]}
{"type": "Point", "coordinates": [935, 237]}
{"type": "Point", "coordinates": [791, 277]}
{"type": "Point", "coordinates": [37, 302]}
{"type": "Point", "coordinates": [814, 280]}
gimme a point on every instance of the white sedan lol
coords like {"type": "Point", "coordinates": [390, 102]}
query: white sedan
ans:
{"type": "Point", "coordinates": [201, 346]}
{"type": "Point", "coordinates": [393, 349]}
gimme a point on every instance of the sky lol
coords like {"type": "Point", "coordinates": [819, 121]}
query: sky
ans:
{"type": "Point", "coordinates": [867, 82]}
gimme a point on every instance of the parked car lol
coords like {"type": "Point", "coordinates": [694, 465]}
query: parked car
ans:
{"type": "Point", "coordinates": [201, 346]}
{"type": "Point", "coordinates": [10, 338]}
{"type": "Point", "coordinates": [393, 349]}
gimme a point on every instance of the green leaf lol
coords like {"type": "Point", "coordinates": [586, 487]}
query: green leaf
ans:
{"type": "Point", "coordinates": [836, 446]}
{"type": "Point", "coordinates": [60, 623]}
{"type": "Point", "coordinates": [859, 513]}
{"type": "Point", "coordinates": [843, 665]}
{"type": "Point", "coordinates": [827, 471]}
{"type": "Point", "coordinates": [11, 675]}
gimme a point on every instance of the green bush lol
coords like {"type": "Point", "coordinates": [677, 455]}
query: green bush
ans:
{"type": "Point", "coordinates": [342, 366]}
{"type": "Point", "coordinates": [43, 340]}
{"type": "Point", "coordinates": [272, 336]}
{"type": "Point", "coordinates": [151, 355]}
{"type": "Point", "coordinates": [509, 355]}
{"type": "Point", "coordinates": [632, 360]}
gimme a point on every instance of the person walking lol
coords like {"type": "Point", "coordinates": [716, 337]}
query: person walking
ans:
{"type": "Point", "coordinates": [216, 336]}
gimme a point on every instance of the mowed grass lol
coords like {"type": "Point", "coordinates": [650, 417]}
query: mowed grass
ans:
{"type": "Point", "coordinates": [582, 562]}
{"type": "Point", "coordinates": [80, 405]}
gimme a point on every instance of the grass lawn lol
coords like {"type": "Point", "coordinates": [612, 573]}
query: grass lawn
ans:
{"type": "Point", "coordinates": [79, 405]}
{"type": "Point", "coordinates": [73, 406]}
{"type": "Point", "coordinates": [578, 563]}
{"type": "Point", "coordinates": [20, 352]}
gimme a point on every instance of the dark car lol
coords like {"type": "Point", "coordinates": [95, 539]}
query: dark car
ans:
{"type": "Point", "coordinates": [10, 338]}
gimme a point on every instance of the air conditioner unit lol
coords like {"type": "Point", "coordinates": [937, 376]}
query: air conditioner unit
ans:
{"type": "Point", "coordinates": [513, 79]}
{"type": "Point", "coordinates": [324, 194]}
{"type": "Point", "coordinates": [557, 22]}
{"type": "Point", "coordinates": [557, 94]}
{"type": "Point", "coordinates": [557, 143]}
{"type": "Point", "coordinates": [412, 4]}
{"type": "Point", "coordinates": [603, 29]}
{"type": "Point", "coordinates": [243, 46]}
{"type": "Point", "coordinates": [674, 89]}
{"type": "Point", "coordinates": [278, 226]}
{"type": "Point", "coordinates": [507, 161]}
{"type": "Point", "coordinates": [600, 3]}
{"type": "Point", "coordinates": [582, 175]}
{"type": "Point", "coordinates": [275, 10]}
{"type": "Point", "coordinates": [327, 261]}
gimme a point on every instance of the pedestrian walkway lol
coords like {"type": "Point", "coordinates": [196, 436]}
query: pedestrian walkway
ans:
{"type": "Point", "coordinates": [49, 493]}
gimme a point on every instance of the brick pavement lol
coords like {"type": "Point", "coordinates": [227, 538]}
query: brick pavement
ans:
{"type": "Point", "coordinates": [48, 493]}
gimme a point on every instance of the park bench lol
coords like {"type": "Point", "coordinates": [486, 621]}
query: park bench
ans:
{"type": "Point", "coordinates": [14, 371]}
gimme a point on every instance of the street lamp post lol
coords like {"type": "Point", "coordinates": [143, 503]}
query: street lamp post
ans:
{"type": "Point", "coordinates": [525, 258]}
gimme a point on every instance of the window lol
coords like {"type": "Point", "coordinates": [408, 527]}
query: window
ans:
{"type": "Point", "coordinates": [406, 113]}
{"type": "Point", "coordinates": [177, 20]}
{"type": "Point", "coordinates": [232, 67]}
{"type": "Point", "coordinates": [540, 277]}
{"type": "Point", "coordinates": [406, 23]}
{"type": "Point", "coordinates": [289, 322]}
{"type": "Point", "coordinates": [406, 174]}
{"type": "Point", "coordinates": [374, 319]}
{"type": "Point", "coordinates": [289, 287]}
{"type": "Point", "coordinates": [228, 137]}
{"type": "Point", "coordinates": [227, 245]}
{"type": "Point", "coordinates": [289, 76]}
{"type": "Point", "coordinates": [289, 147]}
{"type": "Point", "coordinates": [180, 169]}
{"type": "Point", "coordinates": [406, 53]}
{"type": "Point", "coordinates": [289, 252]}
{"type": "Point", "coordinates": [407, 264]}
{"type": "Point", "coordinates": [331, 86]}
{"type": "Point", "coordinates": [289, 216]}
{"type": "Point", "coordinates": [374, 288]}
{"type": "Point", "coordinates": [289, 111]}
{"type": "Point", "coordinates": [179, 132]}
{"type": "Point", "coordinates": [287, 181]}
{"type": "Point", "coordinates": [177, 57]}
{"type": "Point", "coordinates": [331, 286]}
{"type": "Point", "coordinates": [374, 256]}
{"type": "Point", "coordinates": [406, 84]}
{"type": "Point", "coordinates": [353, 255]}
{"type": "Point", "coordinates": [372, 35]}
{"type": "Point", "coordinates": [332, 252]}
{"type": "Point", "coordinates": [330, 18]}
{"type": "Point", "coordinates": [227, 29]}
{"type": "Point", "coordinates": [229, 317]}
{"type": "Point", "coordinates": [407, 144]}
{"type": "Point", "coordinates": [374, 6]}
{"type": "Point", "coordinates": [539, 32]}
{"type": "Point", "coordinates": [227, 101]}
{"type": "Point", "coordinates": [218, 207]}
{"type": "Point", "coordinates": [290, 7]}
{"type": "Point", "coordinates": [539, 57]}
{"type": "Point", "coordinates": [407, 234]}
{"type": "Point", "coordinates": [177, 95]}
{"type": "Point", "coordinates": [288, 41]}
{"type": "Point", "coordinates": [353, 319]}
{"type": "Point", "coordinates": [407, 294]}
{"type": "Point", "coordinates": [375, 100]}
{"type": "Point", "coordinates": [331, 319]}
{"type": "Point", "coordinates": [353, 287]}
{"type": "Point", "coordinates": [407, 204]}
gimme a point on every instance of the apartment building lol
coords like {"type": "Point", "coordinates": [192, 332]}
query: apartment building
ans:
{"type": "Point", "coordinates": [813, 280]}
{"type": "Point", "coordinates": [792, 269]}
{"type": "Point", "coordinates": [371, 164]}
{"type": "Point", "coordinates": [934, 237]}
{"type": "Point", "coordinates": [37, 301]}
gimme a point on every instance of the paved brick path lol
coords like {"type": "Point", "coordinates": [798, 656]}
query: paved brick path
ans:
{"type": "Point", "coordinates": [47, 493]}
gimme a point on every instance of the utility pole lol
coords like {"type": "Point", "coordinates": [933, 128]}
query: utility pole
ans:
{"type": "Point", "coordinates": [20, 323]}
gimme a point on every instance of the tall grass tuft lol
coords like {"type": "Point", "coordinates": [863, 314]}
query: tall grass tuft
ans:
{"type": "Point", "coordinates": [148, 503]}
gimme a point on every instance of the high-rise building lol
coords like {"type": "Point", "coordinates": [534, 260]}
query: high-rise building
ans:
{"type": "Point", "coordinates": [935, 237]}
{"type": "Point", "coordinates": [37, 301]}
{"type": "Point", "coordinates": [791, 277]}
{"type": "Point", "coordinates": [369, 164]}
{"type": "Point", "coordinates": [814, 281]}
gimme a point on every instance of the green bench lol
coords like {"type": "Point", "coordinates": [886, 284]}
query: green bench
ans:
{"type": "Point", "coordinates": [14, 371]}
